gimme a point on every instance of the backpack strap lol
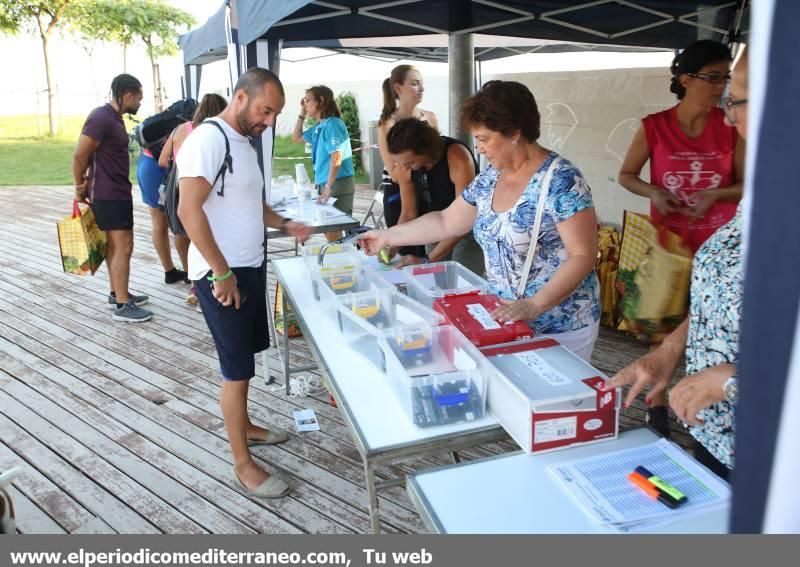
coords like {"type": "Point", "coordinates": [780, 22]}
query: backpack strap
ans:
{"type": "Point", "coordinates": [227, 162]}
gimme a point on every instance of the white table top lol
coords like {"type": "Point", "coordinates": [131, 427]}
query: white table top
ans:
{"type": "Point", "coordinates": [515, 494]}
{"type": "Point", "coordinates": [366, 394]}
{"type": "Point", "coordinates": [320, 218]}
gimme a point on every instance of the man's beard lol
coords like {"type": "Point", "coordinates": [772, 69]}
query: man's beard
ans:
{"type": "Point", "coordinates": [247, 127]}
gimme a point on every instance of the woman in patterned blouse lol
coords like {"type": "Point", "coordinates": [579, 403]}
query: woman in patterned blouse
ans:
{"type": "Point", "coordinates": [705, 399]}
{"type": "Point", "coordinates": [561, 291]}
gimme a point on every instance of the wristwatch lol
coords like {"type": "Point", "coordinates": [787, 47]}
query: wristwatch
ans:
{"type": "Point", "coordinates": [731, 389]}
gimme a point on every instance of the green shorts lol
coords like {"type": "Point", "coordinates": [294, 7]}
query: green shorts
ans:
{"type": "Point", "coordinates": [343, 189]}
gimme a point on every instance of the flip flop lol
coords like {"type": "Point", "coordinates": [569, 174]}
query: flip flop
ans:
{"type": "Point", "coordinates": [273, 438]}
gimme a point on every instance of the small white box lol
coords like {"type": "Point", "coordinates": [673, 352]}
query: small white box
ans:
{"type": "Point", "coordinates": [428, 282]}
{"type": "Point", "coordinates": [438, 376]}
{"type": "Point", "coordinates": [548, 398]}
{"type": "Point", "coordinates": [362, 316]}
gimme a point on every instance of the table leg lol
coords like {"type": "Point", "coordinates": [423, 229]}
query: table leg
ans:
{"type": "Point", "coordinates": [287, 377]}
{"type": "Point", "coordinates": [372, 492]}
{"type": "Point", "coordinates": [273, 336]}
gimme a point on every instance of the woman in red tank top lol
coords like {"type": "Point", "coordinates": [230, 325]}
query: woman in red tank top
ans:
{"type": "Point", "coordinates": [696, 160]}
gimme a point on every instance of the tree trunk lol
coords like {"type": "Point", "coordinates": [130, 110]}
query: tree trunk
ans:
{"type": "Point", "coordinates": [124, 57]}
{"type": "Point", "coordinates": [51, 92]}
{"type": "Point", "coordinates": [159, 103]}
{"type": "Point", "coordinates": [162, 95]}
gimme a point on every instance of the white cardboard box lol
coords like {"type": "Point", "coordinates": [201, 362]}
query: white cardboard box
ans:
{"type": "Point", "coordinates": [548, 398]}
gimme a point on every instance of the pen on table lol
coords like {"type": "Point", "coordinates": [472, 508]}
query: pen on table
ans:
{"type": "Point", "coordinates": [650, 489]}
{"type": "Point", "coordinates": [662, 484]}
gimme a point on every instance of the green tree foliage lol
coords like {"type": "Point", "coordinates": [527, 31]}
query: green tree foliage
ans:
{"type": "Point", "coordinates": [45, 16]}
{"type": "Point", "coordinates": [349, 107]}
{"type": "Point", "coordinates": [153, 22]}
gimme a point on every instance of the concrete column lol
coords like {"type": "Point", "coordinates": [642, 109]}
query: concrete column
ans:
{"type": "Point", "coordinates": [461, 62]}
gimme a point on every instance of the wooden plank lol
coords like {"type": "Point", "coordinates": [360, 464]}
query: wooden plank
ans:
{"type": "Point", "coordinates": [96, 526]}
{"type": "Point", "coordinates": [313, 458]}
{"type": "Point", "coordinates": [30, 518]}
{"type": "Point", "coordinates": [195, 515]}
{"type": "Point", "coordinates": [307, 467]}
{"type": "Point", "coordinates": [56, 504]}
{"type": "Point", "coordinates": [74, 468]}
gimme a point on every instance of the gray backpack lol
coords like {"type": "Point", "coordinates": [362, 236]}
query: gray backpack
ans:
{"type": "Point", "coordinates": [169, 191]}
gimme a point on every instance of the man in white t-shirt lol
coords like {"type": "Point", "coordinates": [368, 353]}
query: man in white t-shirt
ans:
{"type": "Point", "coordinates": [222, 210]}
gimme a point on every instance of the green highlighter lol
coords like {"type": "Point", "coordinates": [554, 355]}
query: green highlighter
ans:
{"type": "Point", "coordinates": [663, 485]}
{"type": "Point", "coordinates": [384, 256]}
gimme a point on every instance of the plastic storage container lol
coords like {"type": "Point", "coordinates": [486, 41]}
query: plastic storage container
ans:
{"type": "Point", "coordinates": [438, 376]}
{"type": "Point", "coordinates": [428, 282]}
{"type": "Point", "coordinates": [337, 258]}
{"type": "Point", "coordinates": [333, 284]}
{"type": "Point", "coordinates": [362, 316]}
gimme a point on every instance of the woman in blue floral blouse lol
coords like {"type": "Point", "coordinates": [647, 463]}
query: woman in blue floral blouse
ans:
{"type": "Point", "coordinates": [705, 399]}
{"type": "Point", "coordinates": [560, 296]}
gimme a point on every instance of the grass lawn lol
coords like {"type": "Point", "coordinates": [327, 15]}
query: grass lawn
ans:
{"type": "Point", "coordinates": [26, 158]}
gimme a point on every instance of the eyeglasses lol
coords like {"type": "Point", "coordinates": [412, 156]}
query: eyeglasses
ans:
{"type": "Point", "coordinates": [729, 108]}
{"type": "Point", "coordinates": [712, 79]}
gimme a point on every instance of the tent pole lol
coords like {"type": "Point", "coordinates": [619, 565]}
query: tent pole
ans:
{"type": "Point", "coordinates": [461, 63]}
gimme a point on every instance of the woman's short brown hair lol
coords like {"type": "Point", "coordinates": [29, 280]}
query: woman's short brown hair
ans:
{"type": "Point", "coordinates": [415, 135]}
{"type": "Point", "coordinates": [505, 107]}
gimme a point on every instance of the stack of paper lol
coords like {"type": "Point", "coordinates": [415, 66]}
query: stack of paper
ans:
{"type": "Point", "coordinates": [601, 488]}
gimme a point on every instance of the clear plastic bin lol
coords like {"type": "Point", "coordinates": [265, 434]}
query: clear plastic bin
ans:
{"type": "Point", "coordinates": [338, 258]}
{"type": "Point", "coordinates": [333, 284]}
{"type": "Point", "coordinates": [428, 282]}
{"type": "Point", "coordinates": [362, 316]}
{"type": "Point", "coordinates": [438, 376]}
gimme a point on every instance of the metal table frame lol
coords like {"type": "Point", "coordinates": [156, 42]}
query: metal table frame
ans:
{"type": "Point", "coordinates": [374, 457]}
{"type": "Point", "coordinates": [344, 222]}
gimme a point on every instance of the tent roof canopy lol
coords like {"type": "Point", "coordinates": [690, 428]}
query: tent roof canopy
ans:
{"type": "Point", "coordinates": [648, 23]}
{"type": "Point", "coordinates": [207, 43]}
{"type": "Point", "coordinates": [412, 29]}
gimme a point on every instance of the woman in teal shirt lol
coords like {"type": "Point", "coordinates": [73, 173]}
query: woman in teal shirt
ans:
{"type": "Point", "coordinates": [331, 152]}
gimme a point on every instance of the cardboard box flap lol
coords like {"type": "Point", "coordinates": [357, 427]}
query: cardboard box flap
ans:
{"type": "Point", "coordinates": [549, 375]}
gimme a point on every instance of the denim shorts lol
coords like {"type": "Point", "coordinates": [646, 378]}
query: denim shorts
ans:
{"type": "Point", "coordinates": [238, 333]}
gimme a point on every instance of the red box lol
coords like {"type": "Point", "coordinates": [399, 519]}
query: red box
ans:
{"type": "Point", "coordinates": [548, 398]}
{"type": "Point", "coordinates": [471, 314]}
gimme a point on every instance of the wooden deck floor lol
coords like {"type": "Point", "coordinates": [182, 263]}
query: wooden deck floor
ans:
{"type": "Point", "coordinates": [118, 428]}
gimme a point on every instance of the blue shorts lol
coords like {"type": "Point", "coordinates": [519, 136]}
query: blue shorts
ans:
{"type": "Point", "coordinates": [149, 175]}
{"type": "Point", "coordinates": [238, 333]}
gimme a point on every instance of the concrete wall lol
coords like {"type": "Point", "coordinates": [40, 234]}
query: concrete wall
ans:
{"type": "Point", "coordinates": [587, 116]}
{"type": "Point", "coordinates": [590, 118]}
